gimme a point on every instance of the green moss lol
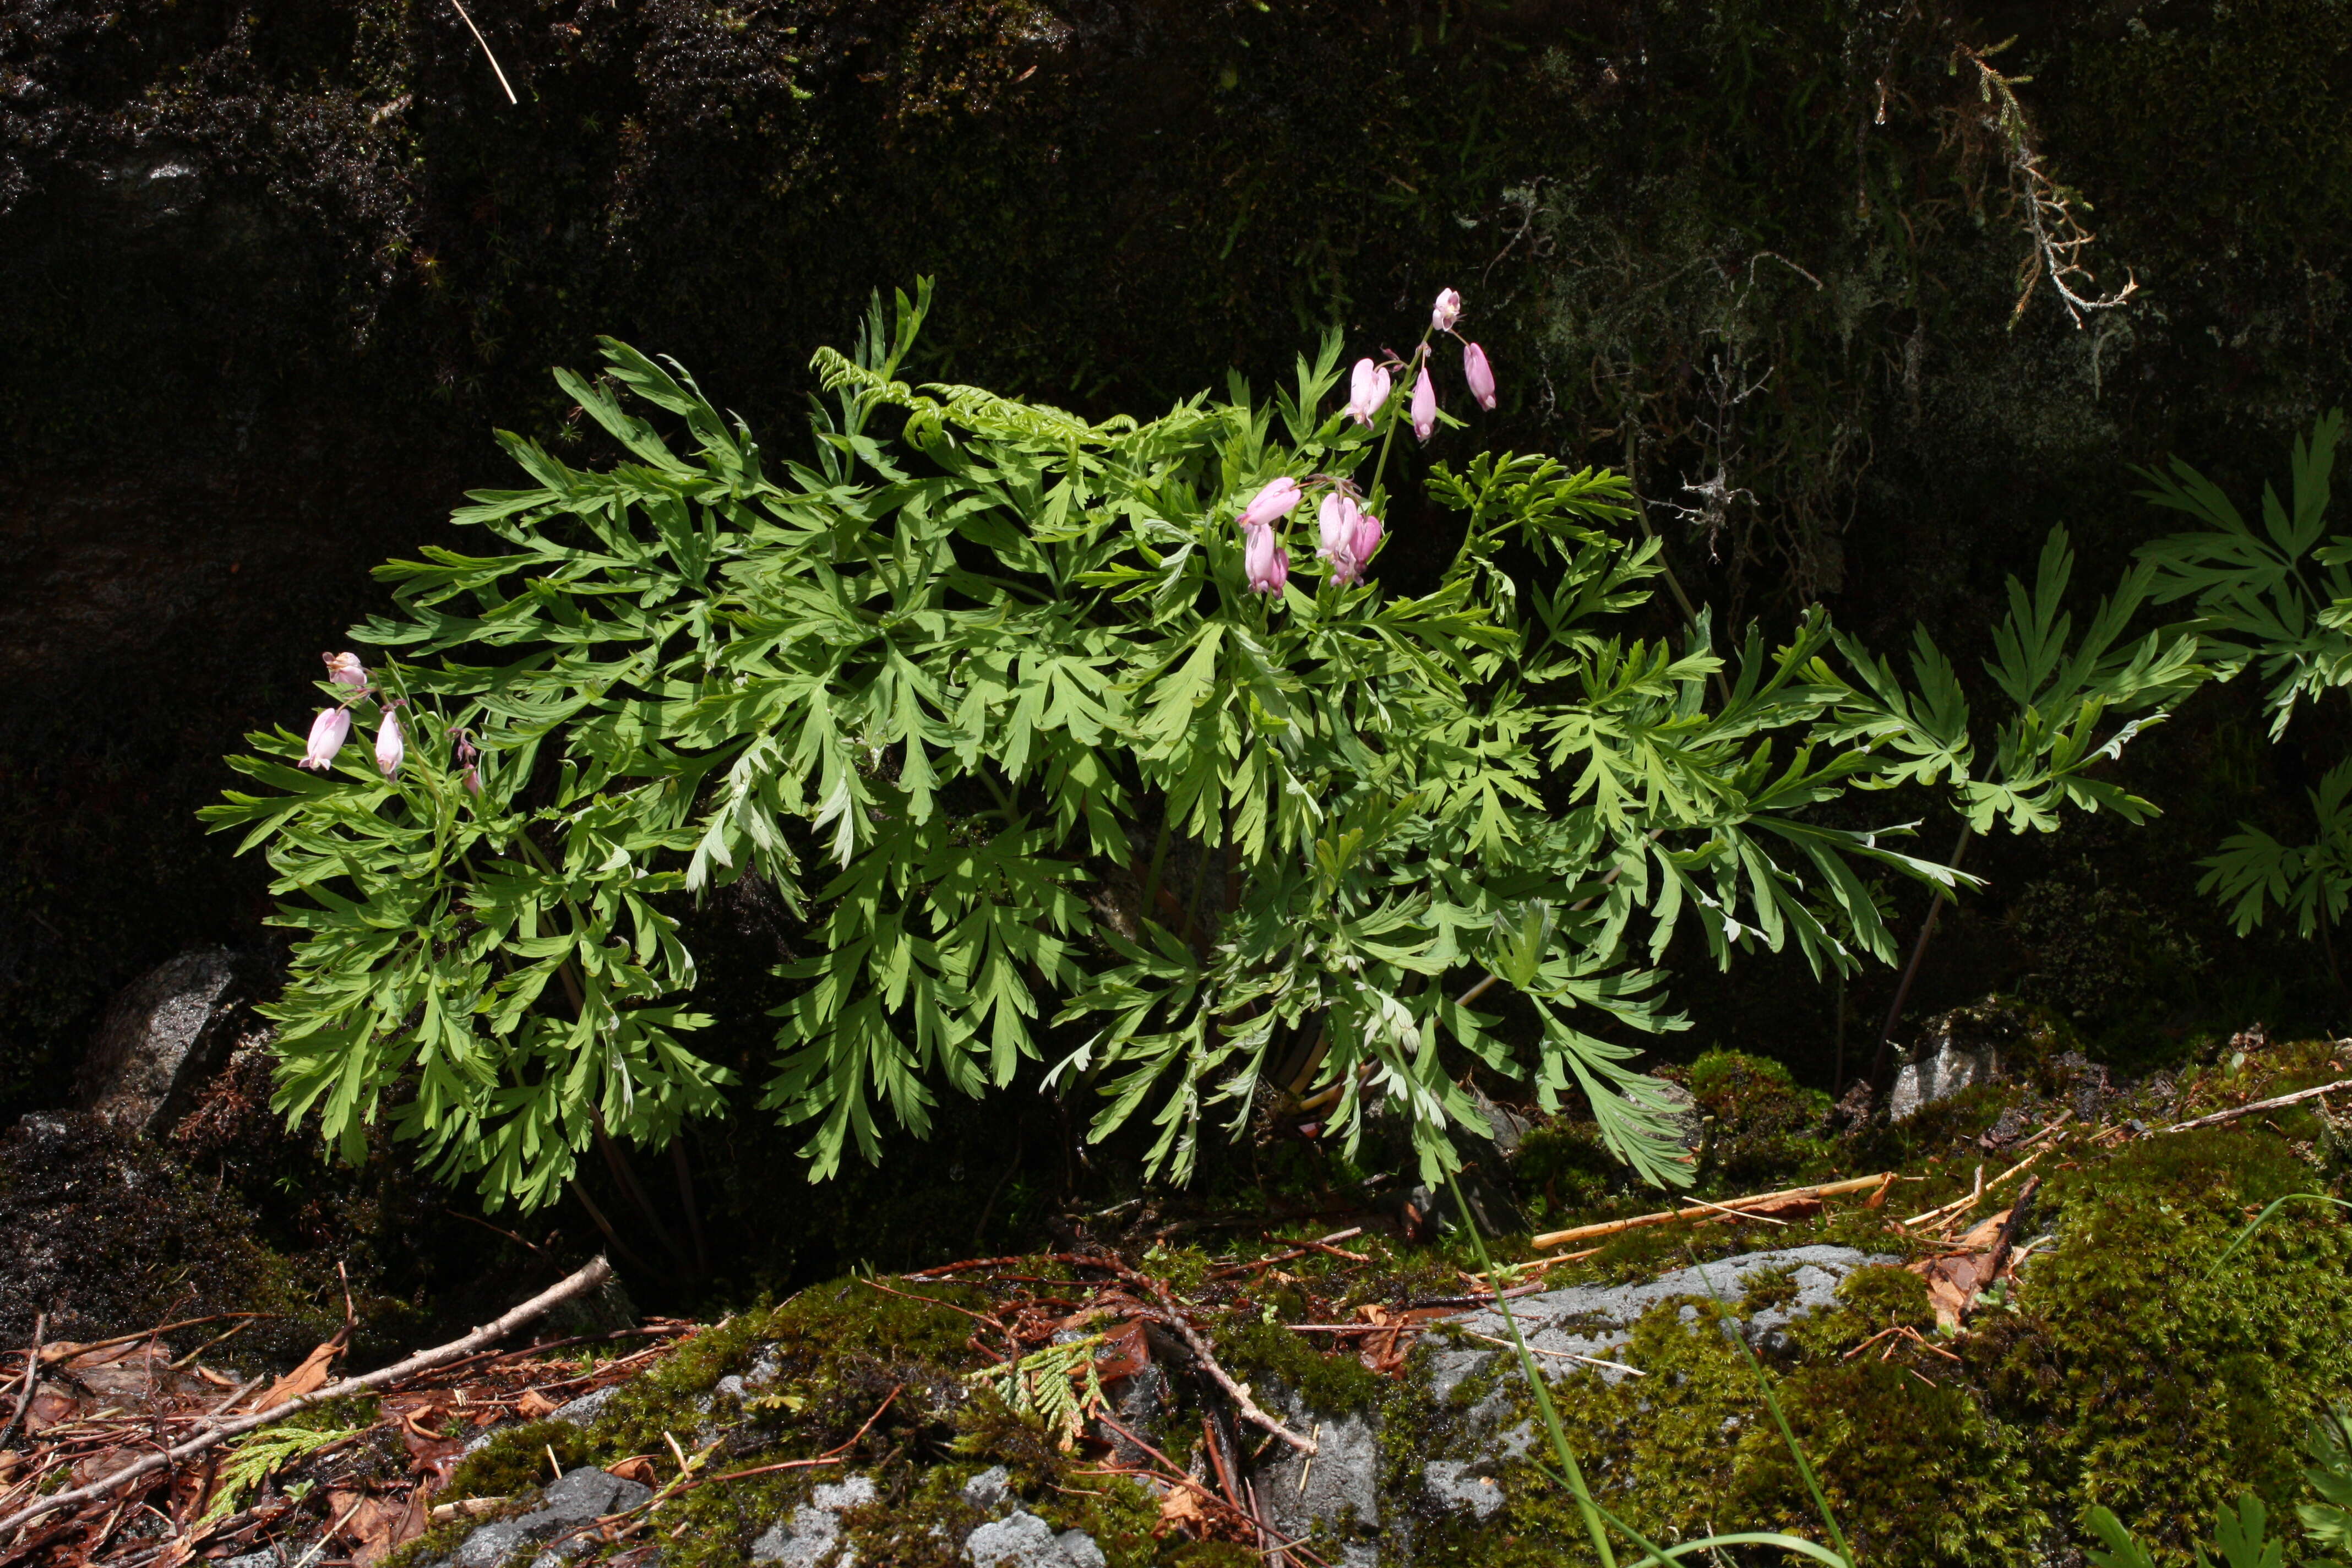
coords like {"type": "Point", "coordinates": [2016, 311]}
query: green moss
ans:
{"type": "Point", "coordinates": [1763, 1123]}
{"type": "Point", "coordinates": [1117, 1512]}
{"type": "Point", "coordinates": [1326, 1381]}
{"type": "Point", "coordinates": [433, 1545]}
{"type": "Point", "coordinates": [1564, 1169]}
{"type": "Point", "coordinates": [2158, 1386]}
{"type": "Point", "coordinates": [515, 1460]}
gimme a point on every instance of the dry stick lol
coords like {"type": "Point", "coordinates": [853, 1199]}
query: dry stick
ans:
{"type": "Point", "coordinates": [1962, 1205]}
{"type": "Point", "coordinates": [485, 49]}
{"type": "Point", "coordinates": [64, 1350]}
{"type": "Point", "coordinates": [1175, 1471]}
{"type": "Point", "coordinates": [1563, 1355]}
{"type": "Point", "coordinates": [1735, 1213]}
{"type": "Point", "coordinates": [32, 1381]}
{"type": "Point", "coordinates": [830, 1457]}
{"type": "Point", "coordinates": [585, 1280]}
{"type": "Point", "coordinates": [1243, 1403]}
{"type": "Point", "coordinates": [1671, 1216]}
{"type": "Point", "coordinates": [2298, 1096]}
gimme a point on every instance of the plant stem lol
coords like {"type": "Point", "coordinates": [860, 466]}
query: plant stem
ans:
{"type": "Point", "coordinates": [1911, 969]}
{"type": "Point", "coordinates": [1159, 862]}
{"type": "Point", "coordinates": [626, 1178]}
{"type": "Point", "coordinates": [1372, 491]}
{"type": "Point", "coordinates": [2327, 946]}
{"type": "Point", "coordinates": [1585, 1505]}
{"type": "Point", "coordinates": [685, 1198]}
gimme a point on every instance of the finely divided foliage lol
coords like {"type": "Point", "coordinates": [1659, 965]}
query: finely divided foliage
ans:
{"type": "Point", "coordinates": [983, 690]}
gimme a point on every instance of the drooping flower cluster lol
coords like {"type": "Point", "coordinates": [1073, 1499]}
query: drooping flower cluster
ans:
{"type": "Point", "coordinates": [1264, 561]}
{"type": "Point", "coordinates": [332, 727]}
{"type": "Point", "coordinates": [1349, 533]}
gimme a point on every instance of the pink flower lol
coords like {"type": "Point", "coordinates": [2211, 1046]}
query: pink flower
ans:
{"type": "Point", "coordinates": [1349, 536]}
{"type": "Point", "coordinates": [1367, 539]}
{"type": "Point", "coordinates": [1264, 560]}
{"type": "Point", "coordinates": [1368, 392]}
{"type": "Point", "coordinates": [328, 730]}
{"type": "Point", "coordinates": [1446, 311]}
{"type": "Point", "coordinates": [468, 768]}
{"type": "Point", "coordinates": [1275, 500]}
{"type": "Point", "coordinates": [390, 749]}
{"type": "Point", "coordinates": [1479, 374]}
{"type": "Point", "coordinates": [1425, 405]}
{"type": "Point", "coordinates": [345, 669]}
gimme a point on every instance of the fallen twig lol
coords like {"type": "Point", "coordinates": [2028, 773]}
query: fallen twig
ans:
{"type": "Point", "coordinates": [830, 1457]}
{"type": "Point", "coordinates": [1299, 1249]}
{"type": "Point", "coordinates": [32, 1381]}
{"type": "Point", "coordinates": [1175, 1472]}
{"type": "Point", "coordinates": [65, 1350]}
{"type": "Point", "coordinates": [1563, 1355]}
{"type": "Point", "coordinates": [1736, 1213]}
{"type": "Point", "coordinates": [1671, 1216]}
{"type": "Point", "coordinates": [585, 1280]}
{"type": "Point", "coordinates": [2296, 1098]}
{"type": "Point", "coordinates": [1962, 1205]}
{"type": "Point", "coordinates": [1243, 1403]}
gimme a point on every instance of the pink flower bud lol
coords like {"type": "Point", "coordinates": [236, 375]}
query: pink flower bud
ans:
{"type": "Point", "coordinates": [1447, 310]}
{"type": "Point", "coordinates": [1264, 560]}
{"type": "Point", "coordinates": [1478, 373]}
{"type": "Point", "coordinates": [328, 730]}
{"type": "Point", "coordinates": [345, 669]}
{"type": "Point", "coordinates": [1425, 405]}
{"type": "Point", "coordinates": [389, 747]}
{"type": "Point", "coordinates": [1368, 392]}
{"type": "Point", "coordinates": [468, 769]}
{"type": "Point", "coordinates": [1273, 502]}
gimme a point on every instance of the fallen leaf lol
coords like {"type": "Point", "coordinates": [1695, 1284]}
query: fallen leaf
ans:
{"type": "Point", "coordinates": [1125, 1353]}
{"type": "Point", "coordinates": [1180, 1510]}
{"type": "Point", "coordinates": [372, 1525]}
{"type": "Point", "coordinates": [1949, 1300]}
{"type": "Point", "coordinates": [308, 1378]}
{"type": "Point", "coordinates": [1985, 1235]}
{"type": "Point", "coordinates": [637, 1467]}
{"type": "Point", "coordinates": [533, 1406]}
{"type": "Point", "coordinates": [1797, 1205]}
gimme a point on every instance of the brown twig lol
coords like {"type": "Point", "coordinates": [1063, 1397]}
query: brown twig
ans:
{"type": "Point", "coordinates": [2296, 1098]}
{"type": "Point", "coordinates": [32, 1381]}
{"type": "Point", "coordinates": [579, 1283]}
{"type": "Point", "coordinates": [1673, 1216]}
{"type": "Point", "coordinates": [1243, 1403]}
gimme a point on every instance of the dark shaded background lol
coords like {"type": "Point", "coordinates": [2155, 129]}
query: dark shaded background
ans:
{"type": "Point", "coordinates": [271, 271]}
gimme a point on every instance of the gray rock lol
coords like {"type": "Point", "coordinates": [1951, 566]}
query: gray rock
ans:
{"type": "Point", "coordinates": [1022, 1540]}
{"type": "Point", "coordinates": [815, 1528]}
{"type": "Point", "coordinates": [163, 1036]}
{"type": "Point", "coordinates": [267, 1557]}
{"type": "Point", "coordinates": [988, 1490]}
{"type": "Point", "coordinates": [1451, 1481]}
{"type": "Point", "coordinates": [1958, 1048]}
{"type": "Point", "coordinates": [1339, 1486]}
{"type": "Point", "coordinates": [583, 1411]}
{"type": "Point", "coordinates": [1597, 1321]}
{"type": "Point", "coordinates": [576, 1500]}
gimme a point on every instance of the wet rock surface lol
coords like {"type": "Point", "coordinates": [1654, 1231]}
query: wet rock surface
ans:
{"type": "Point", "coordinates": [161, 1038]}
{"type": "Point", "coordinates": [565, 1509]}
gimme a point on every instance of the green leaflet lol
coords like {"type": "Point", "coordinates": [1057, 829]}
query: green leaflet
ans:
{"type": "Point", "coordinates": [980, 689]}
